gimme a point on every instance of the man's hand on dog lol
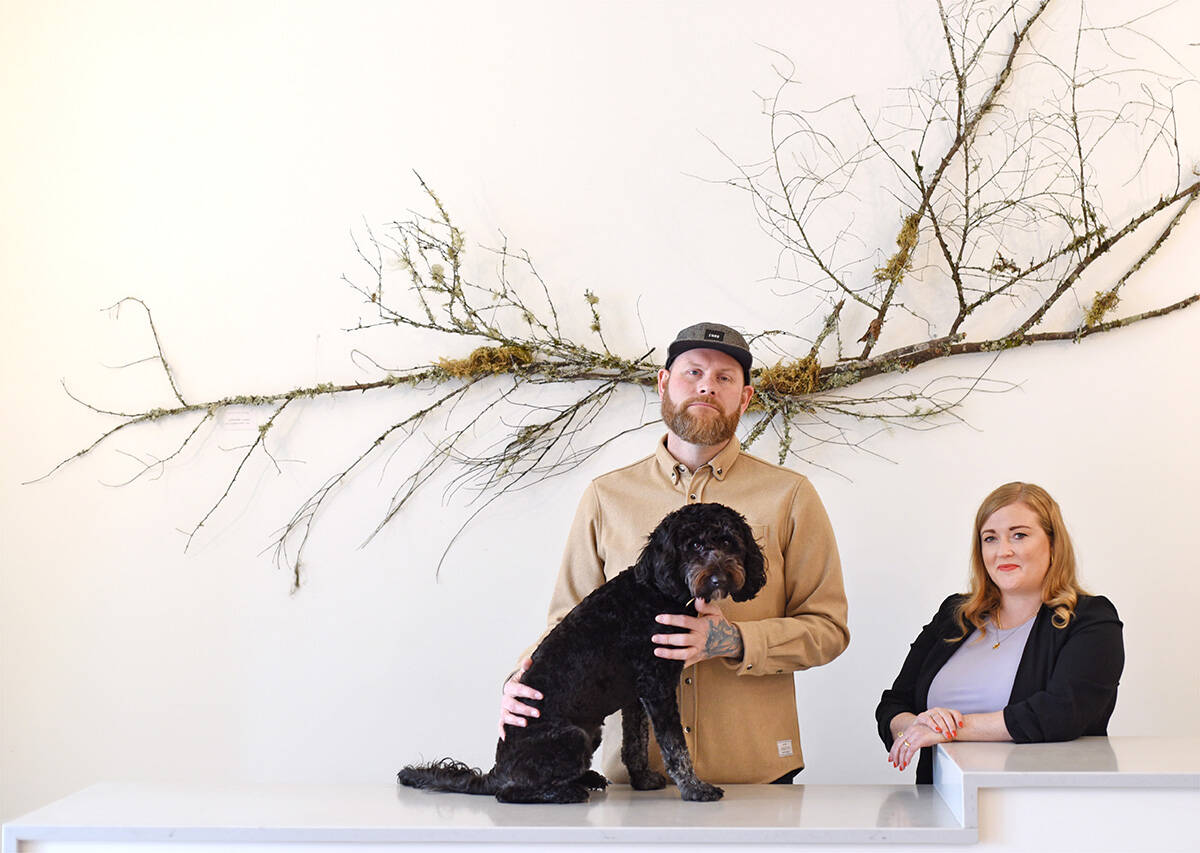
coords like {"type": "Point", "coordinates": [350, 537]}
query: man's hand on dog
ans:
{"type": "Point", "coordinates": [706, 635]}
{"type": "Point", "coordinates": [512, 710]}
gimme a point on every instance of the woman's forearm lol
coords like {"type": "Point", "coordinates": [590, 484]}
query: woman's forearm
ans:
{"type": "Point", "coordinates": [984, 727]}
{"type": "Point", "coordinates": [980, 727]}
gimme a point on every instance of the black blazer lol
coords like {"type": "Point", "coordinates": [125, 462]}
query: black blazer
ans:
{"type": "Point", "coordinates": [1065, 685]}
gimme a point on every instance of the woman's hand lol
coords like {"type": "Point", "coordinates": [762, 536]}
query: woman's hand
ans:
{"type": "Point", "coordinates": [908, 743]}
{"type": "Point", "coordinates": [944, 721]}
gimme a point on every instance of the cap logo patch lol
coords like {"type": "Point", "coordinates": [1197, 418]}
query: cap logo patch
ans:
{"type": "Point", "coordinates": [714, 335]}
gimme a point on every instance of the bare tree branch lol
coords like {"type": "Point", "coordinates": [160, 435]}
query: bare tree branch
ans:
{"type": "Point", "coordinates": [997, 162]}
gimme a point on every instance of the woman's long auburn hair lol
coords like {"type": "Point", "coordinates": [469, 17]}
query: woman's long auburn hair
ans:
{"type": "Point", "coordinates": [1060, 587]}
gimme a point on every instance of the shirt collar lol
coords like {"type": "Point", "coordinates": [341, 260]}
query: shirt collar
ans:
{"type": "Point", "coordinates": [720, 464]}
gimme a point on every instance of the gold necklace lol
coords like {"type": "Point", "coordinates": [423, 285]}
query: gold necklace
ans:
{"type": "Point", "coordinates": [1000, 639]}
{"type": "Point", "coordinates": [999, 627]}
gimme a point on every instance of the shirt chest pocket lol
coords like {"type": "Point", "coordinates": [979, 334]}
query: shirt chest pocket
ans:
{"type": "Point", "coordinates": [767, 602]}
{"type": "Point", "coordinates": [769, 547]}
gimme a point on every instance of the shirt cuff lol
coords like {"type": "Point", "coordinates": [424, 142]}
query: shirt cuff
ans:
{"type": "Point", "coordinates": [754, 650]}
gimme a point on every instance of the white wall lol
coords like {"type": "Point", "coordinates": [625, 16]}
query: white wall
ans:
{"type": "Point", "coordinates": [213, 159]}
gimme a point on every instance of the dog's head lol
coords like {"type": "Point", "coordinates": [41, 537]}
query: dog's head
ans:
{"type": "Point", "coordinates": [702, 551]}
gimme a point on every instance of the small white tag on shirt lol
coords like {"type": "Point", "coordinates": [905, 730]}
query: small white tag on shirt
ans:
{"type": "Point", "coordinates": [784, 747]}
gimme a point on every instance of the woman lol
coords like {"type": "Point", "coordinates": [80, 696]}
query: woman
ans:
{"type": "Point", "coordinates": [1025, 656]}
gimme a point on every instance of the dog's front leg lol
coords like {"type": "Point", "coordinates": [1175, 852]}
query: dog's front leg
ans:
{"type": "Point", "coordinates": [635, 749]}
{"type": "Point", "coordinates": [664, 715]}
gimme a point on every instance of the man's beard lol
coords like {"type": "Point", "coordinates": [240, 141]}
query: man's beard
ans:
{"type": "Point", "coordinates": [702, 430]}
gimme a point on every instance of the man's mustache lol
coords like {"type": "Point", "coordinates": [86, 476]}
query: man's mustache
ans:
{"type": "Point", "coordinates": [708, 401]}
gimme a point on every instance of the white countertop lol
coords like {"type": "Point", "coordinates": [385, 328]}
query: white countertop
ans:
{"type": "Point", "coordinates": [387, 813]}
{"type": "Point", "coordinates": [1126, 762]}
{"type": "Point", "coordinates": [749, 814]}
{"type": "Point", "coordinates": [962, 769]}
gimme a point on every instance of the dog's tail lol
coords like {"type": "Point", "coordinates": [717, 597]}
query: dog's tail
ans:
{"type": "Point", "coordinates": [448, 775]}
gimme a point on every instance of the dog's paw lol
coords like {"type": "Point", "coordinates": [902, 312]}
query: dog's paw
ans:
{"type": "Point", "coordinates": [593, 781]}
{"type": "Point", "coordinates": [568, 793]}
{"type": "Point", "coordinates": [701, 792]}
{"type": "Point", "coordinates": [648, 781]}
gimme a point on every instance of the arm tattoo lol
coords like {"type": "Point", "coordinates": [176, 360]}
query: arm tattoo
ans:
{"type": "Point", "coordinates": [723, 640]}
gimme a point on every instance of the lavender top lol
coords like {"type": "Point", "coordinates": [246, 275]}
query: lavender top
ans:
{"type": "Point", "coordinates": [978, 678]}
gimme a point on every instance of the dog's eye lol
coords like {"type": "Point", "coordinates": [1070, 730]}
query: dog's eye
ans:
{"type": "Point", "coordinates": [697, 545]}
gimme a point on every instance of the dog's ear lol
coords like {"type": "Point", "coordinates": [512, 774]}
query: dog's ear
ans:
{"type": "Point", "coordinates": [643, 571]}
{"type": "Point", "coordinates": [657, 549]}
{"type": "Point", "coordinates": [754, 564]}
{"type": "Point", "coordinates": [658, 564]}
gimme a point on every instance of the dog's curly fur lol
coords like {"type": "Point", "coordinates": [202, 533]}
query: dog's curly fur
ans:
{"type": "Point", "coordinates": [600, 659]}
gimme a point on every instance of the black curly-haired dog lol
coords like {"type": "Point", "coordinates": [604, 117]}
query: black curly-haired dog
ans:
{"type": "Point", "coordinates": [600, 659]}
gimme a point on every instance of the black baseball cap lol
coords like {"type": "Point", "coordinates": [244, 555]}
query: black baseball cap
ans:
{"type": "Point", "coordinates": [712, 336]}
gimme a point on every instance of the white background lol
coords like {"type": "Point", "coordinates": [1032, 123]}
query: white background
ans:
{"type": "Point", "coordinates": [213, 160]}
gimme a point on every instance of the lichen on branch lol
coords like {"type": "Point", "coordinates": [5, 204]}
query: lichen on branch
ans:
{"type": "Point", "coordinates": [994, 165]}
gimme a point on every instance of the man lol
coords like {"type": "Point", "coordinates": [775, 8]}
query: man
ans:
{"type": "Point", "coordinates": [736, 694]}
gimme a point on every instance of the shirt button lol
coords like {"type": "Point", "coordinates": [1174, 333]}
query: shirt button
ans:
{"type": "Point", "coordinates": [687, 680]}
{"type": "Point", "coordinates": [687, 729]}
{"type": "Point", "coordinates": [693, 497]}
{"type": "Point", "coordinates": [749, 667]}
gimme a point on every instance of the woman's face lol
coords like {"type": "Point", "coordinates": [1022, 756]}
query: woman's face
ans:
{"type": "Point", "coordinates": [1016, 550]}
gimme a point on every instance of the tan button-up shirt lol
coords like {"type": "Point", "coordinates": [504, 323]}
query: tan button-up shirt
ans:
{"type": "Point", "coordinates": [739, 717]}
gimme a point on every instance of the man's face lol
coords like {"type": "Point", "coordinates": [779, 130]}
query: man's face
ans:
{"type": "Point", "coordinates": [703, 396]}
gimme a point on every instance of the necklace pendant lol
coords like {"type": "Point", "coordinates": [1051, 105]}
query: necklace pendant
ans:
{"type": "Point", "coordinates": [996, 644]}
